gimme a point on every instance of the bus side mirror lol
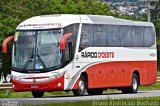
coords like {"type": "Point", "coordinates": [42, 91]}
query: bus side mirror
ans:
{"type": "Point", "coordinates": [63, 40]}
{"type": "Point", "coordinates": [5, 42]}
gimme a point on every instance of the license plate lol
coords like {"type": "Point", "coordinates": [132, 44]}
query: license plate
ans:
{"type": "Point", "coordinates": [34, 86]}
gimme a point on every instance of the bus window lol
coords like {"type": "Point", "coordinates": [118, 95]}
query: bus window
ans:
{"type": "Point", "coordinates": [149, 36]}
{"type": "Point", "coordinates": [137, 36]}
{"type": "Point", "coordinates": [113, 36]}
{"type": "Point", "coordinates": [71, 41]}
{"type": "Point", "coordinates": [100, 35]}
{"type": "Point", "coordinates": [84, 39]}
{"type": "Point", "coordinates": [125, 36]}
{"type": "Point", "coordinates": [48, 47]}
{"type": "Point", "coordinates": [87, 39]}
{"type": "Point", "coordinates": [74, 29]}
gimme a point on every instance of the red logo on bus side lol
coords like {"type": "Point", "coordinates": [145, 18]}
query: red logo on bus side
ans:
{"type": "Point", "coordinates": [97, 54]}
{"type": "Point", "coordinates": [105, 54]}
{"type": "Point", "coordinates": [45, 24]}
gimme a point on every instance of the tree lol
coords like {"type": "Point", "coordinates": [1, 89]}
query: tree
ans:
{"type": "Point", "coordinates": [155, 16]}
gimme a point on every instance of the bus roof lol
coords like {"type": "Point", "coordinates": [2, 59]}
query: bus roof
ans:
{"type": "Point", "coordinates": [62, 20]}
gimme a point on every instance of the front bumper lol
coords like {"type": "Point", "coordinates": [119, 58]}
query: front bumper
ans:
{"type": "Point", "coordinates": [51, 85]}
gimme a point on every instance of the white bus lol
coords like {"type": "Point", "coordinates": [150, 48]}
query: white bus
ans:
{"type": "Point", "coordinates": [78, 52]}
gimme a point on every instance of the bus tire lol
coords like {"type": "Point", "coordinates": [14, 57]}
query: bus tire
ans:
{"type": "Point", "coordinates": [134, 86]}
{"type": "Point", "coordinates": [95, 91]}
{"type": "Point", "coordinates": [37, 94]}
{"type": "Point", "coordinates": [81, 87]}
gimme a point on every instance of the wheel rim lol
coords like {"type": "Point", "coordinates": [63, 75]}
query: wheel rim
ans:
{"type": "Point", "coordinates": [81, 86]}
{"type": "Point", "coordinates": [135, 83]}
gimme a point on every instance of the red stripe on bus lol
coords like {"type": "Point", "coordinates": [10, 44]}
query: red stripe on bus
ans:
{"type": "Point", "coordinates": [119, 74]}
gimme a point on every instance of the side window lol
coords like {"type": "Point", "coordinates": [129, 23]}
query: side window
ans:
{"type": "Point", "coordinates": [137, 36]}
{"type": "Point", "coordinates": [149, 36]}
{"type": "Point", "coordinates": [74, 29]}
{"type": "Point", "coordinates": [86, 39]}
{"type": "Point", "coordinates": [71, 42]}
{"type": "Point", "coordinates": [113, 35]}
{"type": "Point", "coordinates": [100, 35]}
{"type": "Point", "coordinates": [125, 36]}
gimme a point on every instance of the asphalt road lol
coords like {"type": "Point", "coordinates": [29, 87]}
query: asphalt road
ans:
{"type": "Point", "coordinates": [69, 98]}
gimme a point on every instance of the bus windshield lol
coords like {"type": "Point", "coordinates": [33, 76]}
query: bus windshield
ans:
{"type": "Point", "coordinates": [36, 50]}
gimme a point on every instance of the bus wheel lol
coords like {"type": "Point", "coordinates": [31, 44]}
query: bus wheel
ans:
{"type": "Point", "coordinates": [81, 87]}
{"type": "Point", "coordinates": [95, 91]}
{"type": "Point", "coordinates": [37, 94]}
{"type": "Point", "coordinates": [134, 86]}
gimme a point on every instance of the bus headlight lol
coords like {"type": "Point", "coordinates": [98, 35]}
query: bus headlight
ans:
{"type": "Point", "coordinates": [13, 77]}
{"type": "Point", "coordinates": [59, 84]}
{"type": "Point", "coordinates": [57, 75]}
{"type": "Point", "coordinates": [16, 78]}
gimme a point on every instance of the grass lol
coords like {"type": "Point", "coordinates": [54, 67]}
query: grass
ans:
{"type": "Point", "coordinates": [151, 87]}
{"type": "Point", "coordinates": [14, 94]}
{"type": "Point", "coordinates": [28, 94]}
{"type": "Point", "coordinates": [116, 102]}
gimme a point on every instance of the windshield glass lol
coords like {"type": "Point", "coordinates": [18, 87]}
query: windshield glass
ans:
{"type": "Point", "coordinates": [35, 50]}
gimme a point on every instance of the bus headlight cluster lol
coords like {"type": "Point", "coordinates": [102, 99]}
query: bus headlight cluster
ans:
{"type": "Point", "coordinates": [14, 77]}
{"type": "Point", "coordinates": [57, 75]}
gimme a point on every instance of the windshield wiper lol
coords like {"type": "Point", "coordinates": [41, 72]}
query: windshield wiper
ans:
{"type": "Point", "coordinates": [30, 59]}
{"type": "Point", "coordinates": [39, 58]}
